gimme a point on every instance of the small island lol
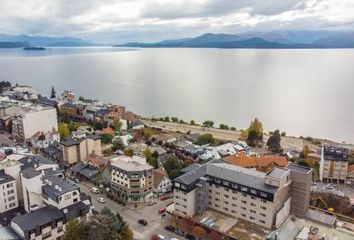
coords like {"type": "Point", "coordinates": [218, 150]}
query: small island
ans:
{"type": "Point", "coordinates": [34, 48]}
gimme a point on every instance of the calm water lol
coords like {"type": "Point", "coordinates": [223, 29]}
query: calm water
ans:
{"type": "Point", "coordinates": [303, 92]}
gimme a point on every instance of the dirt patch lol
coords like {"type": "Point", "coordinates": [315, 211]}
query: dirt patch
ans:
{"type": "Point", "coordinates": [339, 204]}
{"type": "Point", "coordinates": [244, 230]}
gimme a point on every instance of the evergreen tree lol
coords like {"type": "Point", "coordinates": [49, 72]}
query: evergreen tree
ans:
{"type": "Point", "coordinates": [74, 230]}
{"type": "Point", "coordinates": [53, 93]}
{"type": "Point", "coordinates": [273, 142]}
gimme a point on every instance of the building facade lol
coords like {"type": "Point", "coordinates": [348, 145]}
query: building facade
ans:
{"type": "Point", "coordinates": [132, 181]}
{"type": "Point", "coordinates": [8, 193]}
{"type": "Point", "coordinates": [28, 123]}
{"type": "Point", "coordinates": [334, 164]}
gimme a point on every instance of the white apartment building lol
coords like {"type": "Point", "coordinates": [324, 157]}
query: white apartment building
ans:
{"type": "Point", "coordinates": [132, 181]}
{"type": "Point", "coordinates": [8, 193]}
{"type": "Point", "coordinates": [334, 164]}
{"type": "Point", "coordinates": [260, 198]}
{"type": "Point", "coordinates": [39, 119]}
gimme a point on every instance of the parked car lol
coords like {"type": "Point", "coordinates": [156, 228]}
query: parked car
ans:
{"type": "Point", "coordinates": [190, 237]}
{"type": "Point", "coordinates": [95, 190]}
{"type": "Point", "coordinates": [161, 237]}
{"type": "Point", "coordinates": [101, 200]}
{"type": "Point", "coordinates": [143, 222]}
{"type": "Point", "coordinates": [151, 203]}
{"type": "Point", "coordinates": [165, 197]}
{"type": "Point", "coordinates": [162, 210]}
{"type": "Point", "coordinates": [170, 228]}
{"type": "Point", "coordinates": [164, 215]}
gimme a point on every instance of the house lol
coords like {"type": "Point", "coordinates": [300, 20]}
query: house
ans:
{"type": "Point", "coordinates": [334, 164]}
{"type": "Point", "coordinates": [78, 149]}
{"type": "Point", "coordinates": [260, 163]}
{"type": "Point", "coordinates": [125, 139]}
{"type": "Point", "coordinates": [71, 109]}
{"type": "Point", "coordinates": [53, 152]}
{"type": "Point", "coordinates": [41, 140]}
{"type": "Point", "coordinates": [160, 150]}
{"type": "Point", "coordinates": [137, 124]}
{"type": "Point", "coordinates": [67, 96]}
{"type": "Point", "coordinates": [162, 183]}
{"type": "Point", "coordinates": [7, 112]}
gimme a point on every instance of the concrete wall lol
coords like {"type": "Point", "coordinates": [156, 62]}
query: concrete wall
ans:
{"type": "Point", "coordinates": [43, 121]}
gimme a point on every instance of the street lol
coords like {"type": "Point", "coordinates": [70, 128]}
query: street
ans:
{"type": "Point", "coordinates": [131, 216]}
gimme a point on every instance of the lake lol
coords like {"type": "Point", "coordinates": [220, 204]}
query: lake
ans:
{"type": "Point", "coordinates": [305, 92]}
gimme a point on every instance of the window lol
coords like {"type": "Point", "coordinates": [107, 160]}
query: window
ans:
{"type": "Point", "coordinates": [243, 215]}
{"type": "Point", "coordinates": [226, 209]}
{"type": "Point", "coordinates": [12, 205]}
{"type": "Point", "coordinates": [252, 211]}
{"type": "Point", "coordinates": [244, 202]}
{"type": "Point", "coordinates": [263, 194]}
{"type": "Point", "coordinates": [262, 221]}
{"type": "Point", "coordinates": [11, 198]}
{"type": "Point", "coordinates": [244, 189]}
{"type": "Point", "coordinates": [264, 208]}
{"type": "Point", "coordinates": [254, 198]}
{"type": "Point", "coordinates": [253, 204]}
{"type": "Point", "coordinates": [227, 196]}
{"type": "Point", "coordinates": [244, 194]}
{"type": "Point", "coordinates": [233, 198]}
{"type": "Point", "coordinates": [60, 229]}
{"type": "Point", "coordinates": [243, 208]}
{"type": "Point", "coordinates": [262, 214]}
{"type": "Point", "coordinates": [226, 202]}
{"type": "Point", "coordinates": [252, 218]}
{"type": "Point", "coordinates": [263, 201]}
{"type": "Point", "coordinates": [9, 185]}
{"type": "Point", "coordinates": [67, 196]}
{"type": "Point", "coordinates": [10, 192]}
{"type": "Point", "coordinates": [234, 205]}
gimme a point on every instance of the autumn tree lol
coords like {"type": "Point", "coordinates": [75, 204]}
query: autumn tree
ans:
{"type": "Point", "coordinates": [154, 237]}
{"type": "Point", "coordinates": [63, 130]}
{"type": "Point", "coordinates": [128, 152]}
{"type": "Point", "coordinates": [117, 124]}
{"type": "Point", "coordinates": [214, 235]}
{"type": "Point", "coordinates": [199, 231]}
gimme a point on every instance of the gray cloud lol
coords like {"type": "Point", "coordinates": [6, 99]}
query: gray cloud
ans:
{"type": "Point", "coordinates": [116, 21]}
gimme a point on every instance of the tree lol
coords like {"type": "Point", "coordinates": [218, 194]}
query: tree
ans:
{"type": "Point", "coordinates": [303, 163]}
{"type": "Point", "coordinates": [214, 235]}
{"type": "Point", "coordinates": [283, 134]}
{"type": "Point", "coordinates": [174, 119]}
{"type": "Point", "coordinates": [117, 124]}
{"type": "Point", "coordinates": [233, 128]}
{"type": "Point", "coordinates": [257, 126]}
{"type": "Point", "coordinates": [147, 152]}
{"type": "Point", "coordinates": [173, 167]}
{"type": "Point", "coordinates": [252, 138]}
{"type": "Point", "coordinates": [98, 126]}
{"type": "Point", "coordinates": [53, 93]}
{"type": "Point", "coordinates": [199, 231]}
{"type": "Point", "coordinates": [273, 142]}
{"type": "Point", "coordinates": [192, 122]}
{"type": "Point", "coordinates": [166, 119]}
{"type": "Point", "coordinates": [128, 152]}
{"type": "Point", "coordinates": [4, 84]}
{"type": "Point", "coordinates": [146, 132]}
{"type": "Point", "coordinates": [208, 123]}
{"type": "Point", "coordinates": [305, 151]}
{"type": "Point", "coordinates": [117, 145]}
{"type": "Point", "coordinates": [74, 230]}
{"type": "Point", "coordinates": [224, 126]}
{"type": "Point", "coordinates": [63, 130]}
{"type": "Point", "coordinates": [205, 139]}
{"type": "Point", "coordinates": [107, 138]}
{"type": "Point", "coordinates": [81, 98]}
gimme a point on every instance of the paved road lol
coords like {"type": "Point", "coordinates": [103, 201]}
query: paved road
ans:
{"type": "Point", "coordinates": [131, 216]}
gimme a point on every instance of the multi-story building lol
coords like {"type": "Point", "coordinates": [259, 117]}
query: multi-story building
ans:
{"type": "Point", "coordinates": [301, 178]}
{"type": "Point", "coordinates": [40, 119]}
{"type": "Point", "coordinates": [334, 164]}
{"type": "Point", "coordinates": [8, 192]}
{"type": "Point", "coordinates": [78, 149]}
{"type": "Point", "coordinates": [162, 182]}
{"type": "Point", "coordinates": [132, 181]}
{"type": "Point", "coordinates": [261, 198]}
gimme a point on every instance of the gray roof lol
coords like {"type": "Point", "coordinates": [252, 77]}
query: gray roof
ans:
{"type": "Point", "coordinates": [4, 178]}
{"type": "Point", "coordinates": [56, 186]}
{"type": "Point", "coordinates": [298, 168]}
{"type": "Point", "coordinates": [32, 160]}
{"type": "Point", "coordinates": [277, 172]}
{"type": "Point", "coordinates": [30, 173]}
{"type": "Point", "coordinates": [321, 217]}
{"type": "Point", "coordinates": [235, 174]}
{"type": "Point", "coordinates": [36, 218]}
{"type": "Point", "coordinates": [94, 136]}
{"type": "Point", "coordinates": [191, 167]}
{"type": "Point", "coordinates": [335, 153]}
{"type": "Point", "coordinates": [191, 176]}
{"type": "Point", "coordinates": [243, 176]}
{"type": "Point", "coordinates": [130, 166]}
{"type": "Point", "coordinates": [70, 141]}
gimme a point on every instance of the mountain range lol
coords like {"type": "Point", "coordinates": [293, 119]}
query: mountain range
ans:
{"type": "Point", "coordinates": [305, 39]}
{"type": "Point", "coordinates": [14, 41]}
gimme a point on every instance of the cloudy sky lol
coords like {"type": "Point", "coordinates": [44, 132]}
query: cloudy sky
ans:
{"type": "Point", "coordinates": [117, 21]}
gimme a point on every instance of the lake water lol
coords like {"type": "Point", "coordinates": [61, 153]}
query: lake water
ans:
{"type": "Point", "coordinates": [301, 91]}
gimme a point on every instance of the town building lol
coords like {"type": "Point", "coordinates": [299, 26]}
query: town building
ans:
{"type": "Point", "coordinates": [78, 149]}
{"type": "Point", "coordinates": [301, 178]}
{"type": "Point", "coordinates": [260, 163]}
{"type": "Point", "coordinates": [132, 181]}
{"type": "Point", "coordinates": [261, 198]}
{"type": "Point", "coordinates": [8, 192]}
{"type": "Point", "coordinates": [67, 96]}
{"type": "Point", "coordinates": [41, 140]}
{"type": "Point", "coordinates": [7, 112]}
{"type": "Point", "coordinates": [334, 164]}
{"type": "Point", "coordinates": [31, 121]}
{"type": "Point", "coordinates": [162, 183]}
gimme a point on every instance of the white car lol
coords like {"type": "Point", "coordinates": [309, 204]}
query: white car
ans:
{"type": "Point", "coordinates": [95, 190]}
{"type": "Point", "coordinates": [161, 237]}
{"type": "Point", "coordinates": [174, 239]}
{"type": "Point", "coordinates": [101, 200]}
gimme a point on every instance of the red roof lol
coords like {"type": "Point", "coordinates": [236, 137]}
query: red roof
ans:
{"type": "Point", "coordinates": [242, 160]}
{"type": "Point", "coordinates": [95, 160]}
